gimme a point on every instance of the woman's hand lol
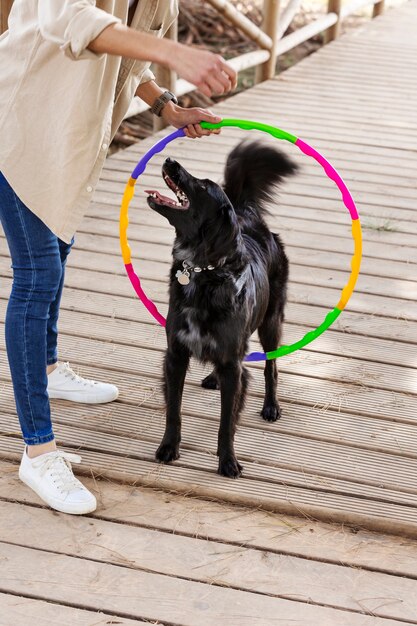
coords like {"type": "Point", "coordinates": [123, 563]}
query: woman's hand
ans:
{"type": "Point", "coordinates": [190, 119]}
{"type": "Point", "coordinates": [207, 71]}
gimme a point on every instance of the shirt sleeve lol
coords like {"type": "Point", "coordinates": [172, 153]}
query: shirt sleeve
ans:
{"type": "Point", "coordinates": [73, 24]}
{"type": "Point", "coordinates": [147, 76]}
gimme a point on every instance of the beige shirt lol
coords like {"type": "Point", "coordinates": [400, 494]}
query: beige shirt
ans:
{"type": "Point", "coordinates": [61, 104]}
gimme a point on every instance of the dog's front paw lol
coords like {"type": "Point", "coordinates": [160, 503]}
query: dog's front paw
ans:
{"type": "Point", "coordinates": [230, 467]}
{"type": "Point", "coordinates": [271, 413]}
{"type": "Point", "coordinates": [210, 382]}
{"type": "Point", "coordinates": [167, 452]}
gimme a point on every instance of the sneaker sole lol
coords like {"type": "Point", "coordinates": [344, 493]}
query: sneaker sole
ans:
{"type": "Point", "coordinates": [82, 398]}
{"type": "Point", "coordinates": [80, 509]}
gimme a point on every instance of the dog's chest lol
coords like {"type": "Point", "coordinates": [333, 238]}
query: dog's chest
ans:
{"type": "Point", "coordinates": [195, 334]}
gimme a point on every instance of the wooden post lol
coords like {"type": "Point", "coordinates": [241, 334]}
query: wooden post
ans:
{"type": "Point", "coordinates": [286, 16]}
{"type": "Point", "coordinates": [334, 6]}
{"type": "Point", "coordinates": [165, 77]}
{"type": "Point", "coordinates": [5, 6]}
{"type": "Point", "coordinates": [379, 8]}
{"type": "Point", "coordinates": [270, 27]}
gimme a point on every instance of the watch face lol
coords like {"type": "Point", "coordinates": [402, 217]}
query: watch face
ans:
{"type": "Point", "coordinates": [171, 96]}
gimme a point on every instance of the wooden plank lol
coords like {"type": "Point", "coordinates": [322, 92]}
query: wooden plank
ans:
{"type": "Point", "coordinates": [314, 295]}
{"type": "Point", "coordinates": [273, 463]}
{"type": "Point", "coordinates": [330, 507]}
{"type": "Point", "coordinates": [301, 197]}
{"type": "Point", "coordinates": [211, 562]}
{"type": "Point", "coordinates": [334, 153]}
{"type": "Point", "coordinates": [301, 270]}
{"type": "Point", "coordinates": [361, 373]}
{"type": "Point", "coordinates": [350, 80]}
{"type": "Point", "coordinates": [378, 144]}
{"type": "Point", "coordinates": [326, 191]}
{"type": "Point", "coordinates": [331, 424]}
{"type": "Point", "coordinates": [309, 391]}
{"type": "Point", "coordinates": [337, 261]}
{"type": "Point", "coordinates": [327, 143]}
{"type": "Point", "coordinates": [298, 256]}
{"type": "Point", "coordinates": [21, 611]}
{"type": "Point", "coordinates": [349, 152]}
{"type": "Point", "coordinates": [340, 233]}
{"type": "Point", "coordinates": [370, 173]}
{"type": "Point", "coordinates": [236, 526]}
{"type": "Point", "coordinates": [128, 308]}
{"type": "Point", "coordinates": [146, 335]}
{"type": "Point", "coordinates": [122, 590]}
{"type": "Point", "coordinates": [345, 162]}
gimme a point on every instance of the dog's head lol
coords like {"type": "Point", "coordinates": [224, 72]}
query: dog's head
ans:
{"type": "Point", "coordinates": [201, 211]}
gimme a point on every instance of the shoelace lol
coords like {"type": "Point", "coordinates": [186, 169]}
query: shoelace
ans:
{"type": "Point", "coordinates": [69, 373]}
{"type": "Point", "coordinates": [59, 464]}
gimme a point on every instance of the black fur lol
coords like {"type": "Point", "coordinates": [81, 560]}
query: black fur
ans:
{"type": "Point", "coordinates": [213, 317]}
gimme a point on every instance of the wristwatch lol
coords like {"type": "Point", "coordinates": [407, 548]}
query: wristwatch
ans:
{"type": "Point", "coordinates": [160, 102]}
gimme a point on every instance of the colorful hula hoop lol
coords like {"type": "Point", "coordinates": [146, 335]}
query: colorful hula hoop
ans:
{"type": "Point", "coordinates": [309, 151]}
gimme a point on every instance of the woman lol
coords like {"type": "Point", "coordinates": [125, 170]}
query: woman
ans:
{"type": "Point", "coordinates": [68, 72]}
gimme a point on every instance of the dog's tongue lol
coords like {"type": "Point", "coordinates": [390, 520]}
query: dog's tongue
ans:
{"type": "Point", "coordinates": [159, 197]}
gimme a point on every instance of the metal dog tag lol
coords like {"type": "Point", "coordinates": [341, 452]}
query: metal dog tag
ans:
{"type": "Point", "coordinates": [183, 277]}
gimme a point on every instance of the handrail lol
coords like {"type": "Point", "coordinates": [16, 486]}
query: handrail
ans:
{"type": "Point", "coordinates": [231, 13]}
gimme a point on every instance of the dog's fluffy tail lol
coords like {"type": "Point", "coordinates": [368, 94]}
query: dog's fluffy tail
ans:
{"type": "Point", "coordinates": [252, 170]}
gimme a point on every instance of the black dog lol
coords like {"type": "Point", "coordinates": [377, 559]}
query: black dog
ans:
{"type": "Point", "coordinates": [228, 279]}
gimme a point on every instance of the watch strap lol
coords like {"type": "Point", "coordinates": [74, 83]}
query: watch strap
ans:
{"type": "Point", "coordinates": [160, 102]}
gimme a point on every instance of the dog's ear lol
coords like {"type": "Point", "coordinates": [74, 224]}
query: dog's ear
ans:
{"type": "Point", "coordinates": [252, 170]}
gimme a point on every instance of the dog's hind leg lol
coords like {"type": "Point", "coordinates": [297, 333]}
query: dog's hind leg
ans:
{"type": "Point", "coordinates": [211, 381]}
{"type": "Point", "coordinates": [176, 363]}
{"type": "Point", "coordinates": [269, 335]}
{"type": "Point", "coordinates": [232, 390]}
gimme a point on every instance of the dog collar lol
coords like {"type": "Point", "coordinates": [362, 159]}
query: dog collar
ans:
{"type": "Point", "coordinates": [183, 276]}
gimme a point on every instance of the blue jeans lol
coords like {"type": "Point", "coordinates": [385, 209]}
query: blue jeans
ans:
{"type": "Point", "coordinates": [38, 262]}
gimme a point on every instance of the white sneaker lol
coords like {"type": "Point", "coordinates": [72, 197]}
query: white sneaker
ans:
{"type": "Point", "coordinates": [50, 476]}
{"type": "Point", "coordinates": [65, 384]}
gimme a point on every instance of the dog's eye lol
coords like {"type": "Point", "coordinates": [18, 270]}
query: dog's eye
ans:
{"type": "Point", "coordinates": [203, 185]}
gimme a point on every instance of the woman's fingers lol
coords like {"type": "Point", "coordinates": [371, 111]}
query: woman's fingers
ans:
{"type": "Point", "coordinates": [221, 78]}
{"type": "Point", "coordinates": [230, 73]}
{"type": "Point", "coordinates": [191, 132]}
{"type": "Point", "coordinates": [195, 130]}
{"type": "Point", "coordinates": [208, 71]}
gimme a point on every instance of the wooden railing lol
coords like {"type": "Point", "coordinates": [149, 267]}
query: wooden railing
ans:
{"type": "Point", "coordinates": [269, 37]}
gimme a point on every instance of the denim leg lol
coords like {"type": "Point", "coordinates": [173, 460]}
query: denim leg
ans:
{"type": "Point", "coordinates": [37, 274]}
{"type": "Point", "coordinates": [52, 328]}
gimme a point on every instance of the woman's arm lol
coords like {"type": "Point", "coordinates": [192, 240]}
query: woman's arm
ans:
{"type": "Point", "coordinates": [207, 71]}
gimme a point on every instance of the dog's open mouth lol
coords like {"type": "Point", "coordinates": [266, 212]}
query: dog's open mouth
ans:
{"type": "Point", "coordinates": [182, 204]}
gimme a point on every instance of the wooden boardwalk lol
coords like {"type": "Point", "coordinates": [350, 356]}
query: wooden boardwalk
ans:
{"type": "Point", "coordinates": [345, 449]}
